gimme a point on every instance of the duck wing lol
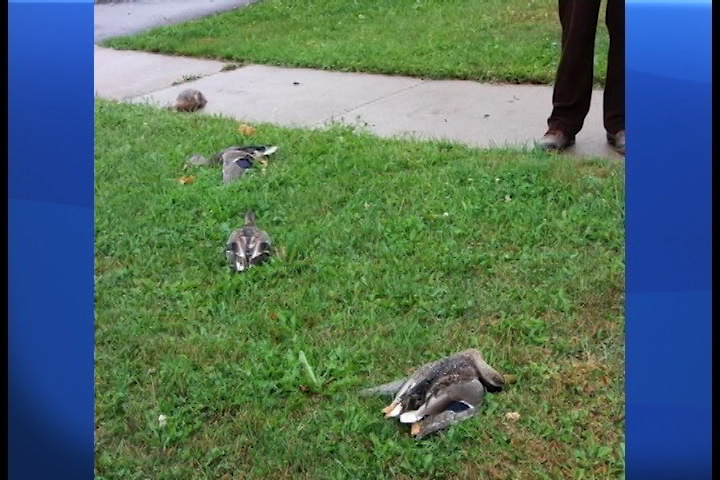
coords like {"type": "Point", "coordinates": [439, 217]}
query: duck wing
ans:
{"type": "Point", "coordinates": [418, 385]}
{"type": "Point", "coordinates": [232, 172]}
{"type": "Point", "coordinates": [260, 150]}
{"type": "Point", "coordinates": [235, 163]}
{"type": "Point", "coordinates": [441, 421]}
{"type": "Point", "coordinates": [413, 387]}
{"type": "Point", "coordinates": [262, 247]}
{"type": "Point", "coordinates": [452, 395]}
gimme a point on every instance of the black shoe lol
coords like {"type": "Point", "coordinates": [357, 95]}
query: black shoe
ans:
{"type": "Point", "coordinates": [556, 140]}
{"type": "Point", "coordinates": [617, 141]}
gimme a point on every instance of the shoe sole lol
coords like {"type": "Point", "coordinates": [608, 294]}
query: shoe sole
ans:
{"type": "Point", "coordinates": [553, 148]}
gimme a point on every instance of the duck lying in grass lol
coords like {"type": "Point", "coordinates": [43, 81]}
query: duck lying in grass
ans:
{"type": "Point", "coordinates": [441, 393]}
{"type": "Point", "coordinates": [247, 246]}
{"type": "Point", "coordinates": [235, 160]}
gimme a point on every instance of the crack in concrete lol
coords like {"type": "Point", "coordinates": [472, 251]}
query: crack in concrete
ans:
{"type": "Point", "coordinates": [188, 83]}
{"type": "Point", "coordinates": [371, 102]}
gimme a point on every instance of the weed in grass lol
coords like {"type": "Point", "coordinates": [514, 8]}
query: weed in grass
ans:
{"type": "Point", "coordinates": [186, 79]}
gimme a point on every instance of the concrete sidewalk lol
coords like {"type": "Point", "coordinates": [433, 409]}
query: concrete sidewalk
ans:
{"type": "Point", "coordinates": [477, 114]}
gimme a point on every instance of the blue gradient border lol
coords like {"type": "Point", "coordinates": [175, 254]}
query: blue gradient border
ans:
{"type": "Point", "coordinates": [50, 240]}
{"type": "Point", "coordinates": [668, 237]}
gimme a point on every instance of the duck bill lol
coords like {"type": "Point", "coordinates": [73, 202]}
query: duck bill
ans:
{"type": "Point", "coordinates": [415, 429]}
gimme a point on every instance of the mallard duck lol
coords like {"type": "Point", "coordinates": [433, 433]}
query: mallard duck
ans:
{"type": "Point", "coordinates": [442, 392]}
{"type": "Point", "coordinates": [189, 100]}
{"type": "Point", "coordinates": [248, 245]}
{"type": "Point", "coordinates": [235, 160]}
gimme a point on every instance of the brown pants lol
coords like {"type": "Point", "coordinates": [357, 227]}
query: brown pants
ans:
{"type": "Point", "coordinates": [574, 79]}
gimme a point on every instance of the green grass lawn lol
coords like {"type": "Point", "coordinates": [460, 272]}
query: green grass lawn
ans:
{"type": "Point", "coordinates": [513, 41]}
{"type": "Point", "coordinates": [390, 254]}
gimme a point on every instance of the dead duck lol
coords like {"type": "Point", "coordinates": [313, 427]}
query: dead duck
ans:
{"type": "Point", "coordinates": [189, 100]}
{"type": "Point", "coordinates": [247, 246]}
{"type": "Point", "coordinates": [235, 160]}
{"type": "Point", "coordinates": [441, 393]}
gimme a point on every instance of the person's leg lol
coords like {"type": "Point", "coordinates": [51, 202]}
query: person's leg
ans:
{"type": "Point", "coordinates": [614, 96]}
{"type": "Point", "coordinates": [574, 79]}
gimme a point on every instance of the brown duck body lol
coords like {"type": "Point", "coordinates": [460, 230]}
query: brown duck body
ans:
{"type": "Point", "coordinates": [190, 100]}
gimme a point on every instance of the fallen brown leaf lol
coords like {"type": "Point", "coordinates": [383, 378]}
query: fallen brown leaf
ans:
{"type": "Point", "coordinates": [186, 180]}
{"type": "Point", "coordinates": [245, 129]}
{"type": "Point", "coordinates": [512, 416]}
